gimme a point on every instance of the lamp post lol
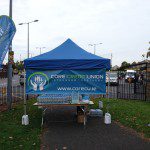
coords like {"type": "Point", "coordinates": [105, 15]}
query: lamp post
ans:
{"type": "Point", "coordinates": [9, 85]}
{"type": "Point", "coordinates": [94, 45]}
{"type": "Point", "coordinates": [40, 49]}
{"type": "Point", "coordinates": [28, 23]}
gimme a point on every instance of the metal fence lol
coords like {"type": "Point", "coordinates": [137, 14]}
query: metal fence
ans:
{"type": "Point", "coordinates": [125, 91]}
{"type": "Point", "coordinates": [17, 91]}
{"type": "Point", "coordinates": [122, 89]}
{"type": "Point", "coordinates": [135, 88]}
{"type": "Point", "coordinates": [128, 89]}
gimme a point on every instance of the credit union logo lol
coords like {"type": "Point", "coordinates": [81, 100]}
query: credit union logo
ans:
{"type": "Point", "coordinates": [38, 81]}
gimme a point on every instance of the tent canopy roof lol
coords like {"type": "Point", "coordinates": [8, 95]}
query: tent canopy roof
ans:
{"type": "Point", "coordinates": [67, 56]}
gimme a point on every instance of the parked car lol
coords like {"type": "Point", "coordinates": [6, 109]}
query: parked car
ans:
{"type": "Point", "coordinates": [113, 78]}
{"type": "Point", "coordinates": [22, 75]}
{"type": "Point", "coordinates": [130, 76]}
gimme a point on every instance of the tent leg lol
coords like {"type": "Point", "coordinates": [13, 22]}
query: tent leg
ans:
{"type": "Point", "coordinates": [25, 101]}
{"type": "Point", "coordinates": [84, 116]}
{"type": "Point", "coordinates": [25, 118]}
{"type": "Point", "coordinates": [108, 91]}
{"type": "Point", "coordinates": [84, 111]}
{"type": "Point", "coordinates": [43, 114]}
{"type": "Point", "coordinates": [42, 119]}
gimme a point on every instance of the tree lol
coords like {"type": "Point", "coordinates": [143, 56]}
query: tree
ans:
{"type": "Point", "coordinates": [148, 53]}
{"type": "Point", "coordinates": [134, 63]}
{"type": "Point", "coordinates": [124, 65]}
{"type": "Point", "coordinates": [19, 65]}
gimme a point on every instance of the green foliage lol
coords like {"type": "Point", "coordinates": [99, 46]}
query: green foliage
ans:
{"type": "Point", "coordinates": [18, 65]}
{"type": "Point", "coordinates": [131, 113]}
{"type": "Point", "coordinates": [124, 65]}
{"type": "Point", "coordinates": [14, 135]}
{"type": "Point", "coordinates": [148, 53]}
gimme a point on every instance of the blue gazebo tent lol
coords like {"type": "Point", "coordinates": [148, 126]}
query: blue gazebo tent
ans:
{"type": "Point", "coordinates": [75, 68]}
{"type": "Point", "coordinates": [81, 73]}
{"type": "Point", "coordinates": [67, 56]}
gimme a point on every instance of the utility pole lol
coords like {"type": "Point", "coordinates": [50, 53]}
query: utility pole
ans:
{"type": "Point", "coordinates": [9, 74]}
{"type": "Point", "coordinates": [40, 48]}
{"type": "Point", "coordinates": [28, 27]}
{"type": "Point", "coordinates": [20, 57]}
{"type": "Point", "coordinates": [28, 41]}
{"type": "Point", "coordinates": [94, 45]}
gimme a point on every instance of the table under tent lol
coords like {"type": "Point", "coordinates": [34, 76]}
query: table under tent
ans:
{"type": "Point", "coordinates": [66, 76]}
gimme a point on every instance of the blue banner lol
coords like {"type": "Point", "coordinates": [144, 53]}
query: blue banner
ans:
{"type": "Point", "coordinates": [7, 32]}
{"type": "Point", "coordinates": [66, 81]}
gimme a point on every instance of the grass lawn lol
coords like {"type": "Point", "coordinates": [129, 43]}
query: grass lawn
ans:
{"type": "Point", "coordinates": [131, 113]}
{"type": "Point", "coordinates": [13, 135]}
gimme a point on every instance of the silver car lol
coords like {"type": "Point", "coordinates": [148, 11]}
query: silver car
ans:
{"type": "Point", "coordinates": [113, 78]}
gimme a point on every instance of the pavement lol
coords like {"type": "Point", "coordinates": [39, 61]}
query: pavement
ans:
{"type": "Point", "coordinates": [61, 132]}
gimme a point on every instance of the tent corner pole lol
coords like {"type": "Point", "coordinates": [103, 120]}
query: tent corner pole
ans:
{"type": "Point", "coordinates": [108, 91]}
{"type": "Point", "coordinates": [25, 101]}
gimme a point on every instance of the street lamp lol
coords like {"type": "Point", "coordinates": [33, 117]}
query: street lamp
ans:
{"type": "Point", "coordinates": [40, 49]}
{"type": "Point", "coordinates": [94, 45]}
{"type": "Point", "coordinates": [28, 33]}
{"type": "Point", "coordinates": [10, 71]}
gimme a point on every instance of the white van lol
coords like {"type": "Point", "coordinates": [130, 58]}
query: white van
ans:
{"type": "Point", "coordinates": [130, 75]}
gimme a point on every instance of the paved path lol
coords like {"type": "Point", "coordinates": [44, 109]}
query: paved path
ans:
{"type": "Point", "coordinates": [62, 132]}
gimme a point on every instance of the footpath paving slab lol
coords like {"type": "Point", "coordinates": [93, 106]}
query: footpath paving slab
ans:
{"type": "Point", "coordinates": [63, 132]}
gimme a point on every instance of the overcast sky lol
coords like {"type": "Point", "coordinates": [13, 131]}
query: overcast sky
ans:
{"type": "Point", "coordinates": [123, 26]}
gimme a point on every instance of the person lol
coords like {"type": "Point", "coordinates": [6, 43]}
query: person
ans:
{"type": "Point", "coordinates": [136, 77]}
{"type": "Point", "coordinates": [141, 78]}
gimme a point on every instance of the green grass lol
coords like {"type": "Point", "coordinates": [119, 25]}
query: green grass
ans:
{"type": "Point", "coordinates": [14, 135]}
{"type": "Point", "coordinates": [131, 113]}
